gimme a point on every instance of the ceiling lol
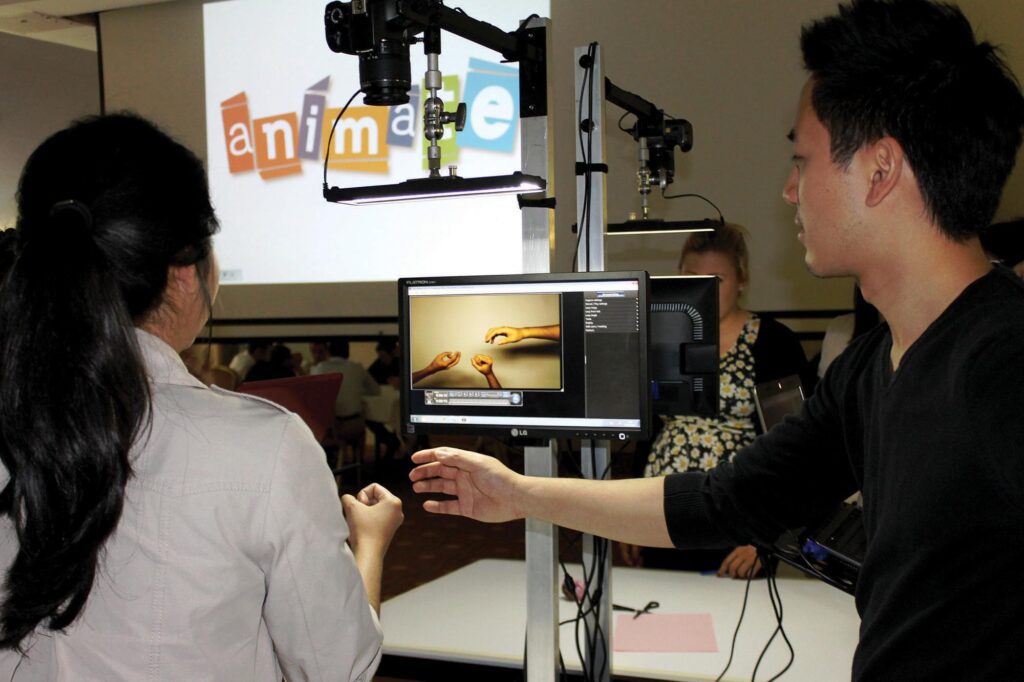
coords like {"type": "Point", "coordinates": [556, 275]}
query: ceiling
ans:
{"type": "Point", "coordinates": [67, 22]}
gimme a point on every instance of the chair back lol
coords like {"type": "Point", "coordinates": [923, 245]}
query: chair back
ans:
{"type": "Point", "coordinates": [311, 397]}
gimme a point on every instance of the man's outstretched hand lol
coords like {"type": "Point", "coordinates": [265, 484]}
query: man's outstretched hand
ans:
{"type": "Point", "coordinates": [484, 489]}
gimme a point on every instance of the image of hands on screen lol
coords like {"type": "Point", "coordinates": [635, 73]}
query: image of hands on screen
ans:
{"type": "Point", "coordinates": [485, 365]}
{"type": "Point", "coordinates": [491, 331]}
{"type": "Point", "coordinates": [441, 362]}
{"type": "Point", "coordinates": [504, 335]}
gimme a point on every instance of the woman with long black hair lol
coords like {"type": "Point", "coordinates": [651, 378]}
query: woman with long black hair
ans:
{"type": "Point", "coordinates": [151, 527]}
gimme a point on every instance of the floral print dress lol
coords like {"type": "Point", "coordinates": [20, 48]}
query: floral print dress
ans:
{"type": "Point", "coordinates": [700, 443]}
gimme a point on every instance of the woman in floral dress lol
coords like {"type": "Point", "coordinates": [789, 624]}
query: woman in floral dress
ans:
{"type": "Point", "coordinates": [753, 349]}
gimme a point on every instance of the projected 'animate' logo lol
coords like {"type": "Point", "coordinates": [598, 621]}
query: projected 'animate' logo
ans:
{"type": "Point", "coordinates": [277, 145]}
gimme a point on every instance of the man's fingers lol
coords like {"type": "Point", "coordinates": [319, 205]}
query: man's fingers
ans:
{"type": "Point", "coordinates": [429, 470]}
{"type": "Point", "coordinates": [424, 456]}
{"type": "Point", "coordinates": [442, 507]}
{"type": "Point", "coordinates": [435, 485]}
{"type": "Point", "coordinates": [454, 460]}
{"type": "Point", "coordinates": [435, 455]}
{"type": "Point", "coordinates": [433, 470]}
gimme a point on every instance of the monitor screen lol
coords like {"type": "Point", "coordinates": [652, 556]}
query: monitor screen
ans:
{"type": "Point", "coordinates": [550, 355]}
{"type": "Point", "coordinates": [684, 345]}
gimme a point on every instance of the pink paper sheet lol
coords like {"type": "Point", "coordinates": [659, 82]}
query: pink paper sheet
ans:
{"type": "Point", "coordinates": [665, 632]}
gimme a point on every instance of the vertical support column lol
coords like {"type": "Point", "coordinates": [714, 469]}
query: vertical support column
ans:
{"type": "Point", "coordinates": [588, 114]}
{"type": "Point", "coordinates": [591, 216]}
{"type": "Point", "coordinates": [536, 151]}
{"type": "Point", "coordinates": [542, 645]}
{"type": "Point", "coordinates": [541, 579]}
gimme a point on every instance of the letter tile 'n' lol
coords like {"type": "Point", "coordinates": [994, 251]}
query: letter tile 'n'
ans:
{"type": "Point", "coordinates": [276, 152]}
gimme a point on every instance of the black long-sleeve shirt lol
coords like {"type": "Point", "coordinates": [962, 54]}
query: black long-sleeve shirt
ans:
{"type": "Point", "coordinates": [937, 447]}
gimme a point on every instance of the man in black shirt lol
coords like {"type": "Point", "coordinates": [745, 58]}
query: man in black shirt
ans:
{"type": "Point", "coordinates": [906, 132]}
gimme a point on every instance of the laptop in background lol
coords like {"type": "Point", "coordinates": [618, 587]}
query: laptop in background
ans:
{"type": "Point", "coordinates": [777, 399]}
{"type": "Point", "coordinates": [832, 549]}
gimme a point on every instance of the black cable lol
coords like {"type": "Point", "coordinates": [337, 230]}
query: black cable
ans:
{"type": "Point", "coordinates": [773, 585]}
{"type": "Point", "coordinates": [592, 53]}
{"type": "Point", "coordinates": [563, 676]}
{"type": "Point", "coordinates": [625, 130]}
{"type": "Point", "coordinates": [588, 604]}
{"type": "Point", "coordinates": [579, 600]}
{"type": "Point", "coordinates": [579, 138]}
{"type": "Point", "coordinates": [764, 650]}
{"type": "Point", "coordinates": [601, 550]}
{"type": "Point", "coordinates": [736, 632]}
{"type": "Point", "coordinates": [330, 138]}
{"type": "Point", "coordinates": [522, 24]}
{"type": "Point", "coordinates": [576, 470]}
{"type": "Point", "coordinates": [721, 219]}
{"type": "Point", "coordinates": [583, 227]}
{"type": "Point", "coordinates": [598, 565]}
{"type": "Point", "coordinates": [776, 601]}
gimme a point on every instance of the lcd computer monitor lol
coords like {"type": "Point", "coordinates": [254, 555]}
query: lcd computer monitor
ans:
{"type": "Point", "coordinates": [684, 345]}
{"type": "Point", "coordinates": [543, 355]}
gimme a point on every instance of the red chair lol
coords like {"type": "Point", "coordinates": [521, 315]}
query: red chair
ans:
{"type": "Point", "coordinates": [312, 398]}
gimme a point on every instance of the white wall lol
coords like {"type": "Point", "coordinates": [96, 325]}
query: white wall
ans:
{"type": "Point", "coordinates": [43, 87]}
{"type": "Point", "coordinates": [731, 67]}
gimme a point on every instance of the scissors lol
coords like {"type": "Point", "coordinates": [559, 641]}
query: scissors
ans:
{"type": "Point", "coordinates": [637, 612]}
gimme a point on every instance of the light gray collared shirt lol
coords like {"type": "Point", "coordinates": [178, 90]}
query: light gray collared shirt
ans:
{"type": "Point", "coordinates": [229, 562]}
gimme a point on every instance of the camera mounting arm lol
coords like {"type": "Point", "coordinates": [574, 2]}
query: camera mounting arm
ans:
{"type": "Point", "coordinates": [380, 31]}
{"type": "Point", "coordinates": [656, 135]}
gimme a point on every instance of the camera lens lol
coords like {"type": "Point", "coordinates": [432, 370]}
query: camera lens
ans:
{"type": "Point", "coordinates": [385, 75]}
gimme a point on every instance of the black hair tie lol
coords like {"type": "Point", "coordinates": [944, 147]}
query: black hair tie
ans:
{"type": "Point", "coordinates": [73, 205]}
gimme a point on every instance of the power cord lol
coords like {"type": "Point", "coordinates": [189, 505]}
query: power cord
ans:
{"type": "Point", "coordinates": [776, 600]}
{"type": "Point", "coordinates": [694, 195]}
{"type": "Point", "coordinates": [736, 632]}
{"type": "Point", "coordinates": [583, 227]}
{"type": "Point", "coordinates": [588, 602]}
{"type": "Point", "coordinates": [330, 138]}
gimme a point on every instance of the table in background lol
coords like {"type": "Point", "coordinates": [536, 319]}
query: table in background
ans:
{"type": "Point", "coordinates": [477, 615]}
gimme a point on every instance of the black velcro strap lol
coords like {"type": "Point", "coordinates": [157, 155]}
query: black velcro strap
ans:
{"type": "Point", "coordinates": [582, 168]}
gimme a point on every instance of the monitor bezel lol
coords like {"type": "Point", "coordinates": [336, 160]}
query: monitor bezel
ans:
{"type": "Point", "coordinates": [529, 431]}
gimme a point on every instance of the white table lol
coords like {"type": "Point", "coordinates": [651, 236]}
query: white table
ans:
{"type": "Point", "coordinates": [478, 614]}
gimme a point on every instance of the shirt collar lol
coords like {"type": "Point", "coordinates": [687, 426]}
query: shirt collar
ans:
{"type": "Point", "coordinates": [163, 365]}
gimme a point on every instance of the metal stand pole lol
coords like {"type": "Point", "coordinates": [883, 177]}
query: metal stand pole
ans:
{"type": "Point", "coordinates": [542, 643]}
{"type": "Point", "coordinates": [594, 455]}
{"type": "Point", "coordinates": [541, 538]}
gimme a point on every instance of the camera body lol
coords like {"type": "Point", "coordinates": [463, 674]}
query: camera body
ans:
{"type": "Point", "coordinates": [380, 36]}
